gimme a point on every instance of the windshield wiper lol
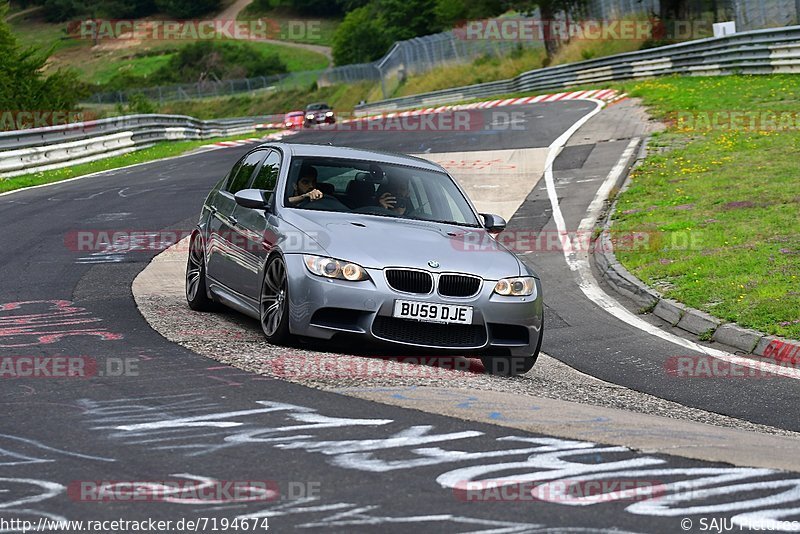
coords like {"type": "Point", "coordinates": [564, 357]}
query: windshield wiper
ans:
{"type": "Point", "coordinates": [454, 223]}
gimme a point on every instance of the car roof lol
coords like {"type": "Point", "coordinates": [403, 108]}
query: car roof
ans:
{"type": "Point", "coordinates": [377, 156]}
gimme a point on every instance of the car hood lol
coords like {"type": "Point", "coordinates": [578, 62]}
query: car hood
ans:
{"type": "Point", "coordinates": [378, 242]}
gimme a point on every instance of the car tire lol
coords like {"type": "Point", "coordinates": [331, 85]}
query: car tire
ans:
{"type": "Point", "coordinates": [273, 304]}
{"type": "Point", "coordinates": [512, 365]}
{"type": "Point", "coordinates": [196, 288]}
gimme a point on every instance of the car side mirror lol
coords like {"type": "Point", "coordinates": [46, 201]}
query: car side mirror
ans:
{"type": "Point", "coordinates": [253, 198]}
{"type": "Point", "coordinates": [494, 224]}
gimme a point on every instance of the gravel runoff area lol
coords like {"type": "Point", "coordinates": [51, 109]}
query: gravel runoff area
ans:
{"type": "Point", "coordinates": [236, 340]}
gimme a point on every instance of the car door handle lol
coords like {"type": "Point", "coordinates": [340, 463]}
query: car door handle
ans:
{"type": "Point", "coordinates": [213, 210]}
{"type": "Point", "coordinates": [234, 221]}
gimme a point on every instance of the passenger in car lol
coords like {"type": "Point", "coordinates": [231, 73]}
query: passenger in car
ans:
{"type": "Point", "coordinates": [395, 196]}
{"type": "Point", "coordinates": [306, 186]}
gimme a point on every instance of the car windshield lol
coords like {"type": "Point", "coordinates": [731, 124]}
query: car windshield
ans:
{"type": "Point", "coordinates": [317, 107]}
{"type": "Point", "coordinates": [387, 190]}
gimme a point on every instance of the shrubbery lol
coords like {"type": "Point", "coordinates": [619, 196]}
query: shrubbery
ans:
{"type": "Point", "coordinates": [371, 27]}
{"type": "Point", "coordinates": [206, 61]}
{"type": "Point", "coordinates": [63, 10]}
{"type": "Point", "coordinates": [217, 60]}
{"type": "Point", "coordinates": [23, 85]}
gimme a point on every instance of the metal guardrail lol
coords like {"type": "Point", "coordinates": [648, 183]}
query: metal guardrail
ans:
{"type": "Point", "coordinates": [757, 52]}
{"type": "Point", "coordinates": [53, 147]}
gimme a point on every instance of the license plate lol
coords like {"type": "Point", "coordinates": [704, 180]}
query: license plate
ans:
{"type": "Point", "coordinates": [432, 313]}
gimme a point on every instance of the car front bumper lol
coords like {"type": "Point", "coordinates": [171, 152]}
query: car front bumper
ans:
{"type": "Point", "coordinates": [323, 308]}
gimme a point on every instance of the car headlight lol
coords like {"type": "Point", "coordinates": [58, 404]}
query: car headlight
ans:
{"type": "Point", "coordinates": [516, 287]}
{"type": "Point", "coordinates": [329, 114]}
{"type": "Point", "coordinates": [331, 268]}
{"type": "Point", "coordinates": [310, 116]}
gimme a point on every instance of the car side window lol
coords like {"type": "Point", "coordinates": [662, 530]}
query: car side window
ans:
{"type": "Point", "coordinates": [267, 177]}
{"type": "Point", "coordinates": [242, 177]}
{"type": "Point", "coordinates": [230, 176]}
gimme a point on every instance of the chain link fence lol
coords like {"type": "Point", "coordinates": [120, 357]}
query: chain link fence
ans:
{"type": "Point", "coordinates": [610, 9]}
{"type": "Point", "coordinates": [423, 54]}
{"type": "Point", "coordinates": [207, 89]}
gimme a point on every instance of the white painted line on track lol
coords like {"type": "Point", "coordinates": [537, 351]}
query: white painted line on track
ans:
{"type": "Point", "coordinates": [578, 257]}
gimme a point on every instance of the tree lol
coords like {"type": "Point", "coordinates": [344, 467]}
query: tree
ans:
{"type": "Point", "coordinates": [673, 9]}
{"type": "Point", "coordinates": [211, 60]}
{"type": "Point", "coordinates": [62, 10]}
{"type": "Point", "coordinates": [406, 19]}
{"type": "Point", "coordinates": [187, 9]}
{"type": "Point", "coordinates": [548, 10]}
{"type": "Point", "coordinates": [361, 37]}
{"type": "Point", "coordinates": [23, 84]}
{"type": "Point", "coordinates": [450, 13]}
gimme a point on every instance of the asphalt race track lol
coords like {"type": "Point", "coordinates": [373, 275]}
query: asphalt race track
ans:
{"type": "Point", "coordinates": [155, 412]}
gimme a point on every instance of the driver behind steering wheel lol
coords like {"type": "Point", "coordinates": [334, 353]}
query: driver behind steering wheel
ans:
{"type": "Point", "coordinates": [306, 186]}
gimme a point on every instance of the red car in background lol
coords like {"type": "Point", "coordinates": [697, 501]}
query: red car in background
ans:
{"type": "Point", "coordinates": [294, 120]}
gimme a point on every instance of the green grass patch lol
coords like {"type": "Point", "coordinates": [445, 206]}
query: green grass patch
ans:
{"type": "Point", "coordinates": [296, 59]}
{"type": "Point", "coordinates": [98, 64]}
{"type": "Point", "coordinates": [32, 31]}
{"type": "Point", "coordinates": [481, 70]}
{"type": "Point", "coordinates": [160, 150]}
{"type": "Point", "coordinates": [721, 205]}
{"type": "Point", "coordinates": [139, 66]}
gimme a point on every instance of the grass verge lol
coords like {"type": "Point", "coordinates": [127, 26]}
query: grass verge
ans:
{"type": "Point", "coordinates": [720, 202]}
{"type": "Point", "coordinates": [161, 150]}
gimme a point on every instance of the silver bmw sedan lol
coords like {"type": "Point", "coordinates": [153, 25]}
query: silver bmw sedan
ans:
{"type": "Point", "coordinates": [321, 242]}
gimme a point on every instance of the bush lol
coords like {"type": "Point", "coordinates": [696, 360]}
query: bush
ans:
{"type": "Point", "coordinates": [205, 61]}
{"type": "Point", "coordinates": [23, 85]}
{"type": "Point", "coordinates": [62, 10]}
{"type": "Point", "coordinates": [138, 103]}
{"type": "Point", "coordinates": [325, 8]}
{"type": "Point", "coordinates": [214, 60]}
{"type": "Point", "coordinates": [360, 38]}
{"type": "Point", "coordinates": [186, 9]}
